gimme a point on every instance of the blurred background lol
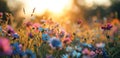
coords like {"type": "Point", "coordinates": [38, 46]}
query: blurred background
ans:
{"type": "Point", "coordinates": [62, 11]}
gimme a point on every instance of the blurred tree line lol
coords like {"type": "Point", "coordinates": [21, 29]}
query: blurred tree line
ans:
{"type": "Point", "coordinates": [4, 8]}
{"type": "Point", "coordinates": [100, 11]}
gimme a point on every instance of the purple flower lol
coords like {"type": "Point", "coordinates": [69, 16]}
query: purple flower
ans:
{"type": "Point", "coordinates": [15, 35]}
{"type": "Point", "coordinates": [107, 27]}
{"type": "Point", "coordinates": [30, 35]}
{"type": "Point", "coordinates": [10, 30]}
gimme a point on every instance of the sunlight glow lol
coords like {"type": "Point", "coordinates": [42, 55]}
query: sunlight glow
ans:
{"type": "Point", "coordinates": [54, 6]}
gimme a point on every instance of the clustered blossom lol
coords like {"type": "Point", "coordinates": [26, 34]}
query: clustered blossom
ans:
{"type": "Point", "coordinates": [107, 27]}
{"type": "Point", "coordinates": [5, 48]}
{"type": "Point", "coordinates": [57, 39]}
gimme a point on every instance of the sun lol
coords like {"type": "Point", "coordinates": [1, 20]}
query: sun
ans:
{"type": "Point", "coordinates": [54, 6]}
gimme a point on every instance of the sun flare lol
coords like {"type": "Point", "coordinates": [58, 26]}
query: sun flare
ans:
{"type": "Point", "coordinates": [54, 6]}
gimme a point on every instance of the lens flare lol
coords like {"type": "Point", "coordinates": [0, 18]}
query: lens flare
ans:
{"type": "Point", "coordinates": [54, 6]}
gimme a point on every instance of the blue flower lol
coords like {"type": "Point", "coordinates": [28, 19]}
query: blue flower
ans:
{"type": "Point", "coordinates": [45, 37]}
{"type": "Point", "coordinates": [0, 29]}
{"type": "Point", "coordinates": [26, 53]}
{"type": "Point", "coordinates": [29, 52]}
{"type": "Point", "coordinates": [56, 43]}
{"type": "Point", "coordinates": [105, 55]}
{"type": "Point", "coordinates": [15, 35]}
{"type": "Point", "coordinates": [78, 48]}
{"type": "Point", "coordinates": [76, 54]}
{"type": "Point", "coordinates": [65, 56]}
{"type": "Point", "coordinates": [84, 44]}
{"type": "Point", "coordinates": [22, 53]}
{"type": "Point", "coordinates": [89, 45]}
{"type": "Point", "coordinates": [16, 47]}
{"type": "Point", "coordinates": [69, 49]}
{"type": "Point", "coordinates": [40, 29]}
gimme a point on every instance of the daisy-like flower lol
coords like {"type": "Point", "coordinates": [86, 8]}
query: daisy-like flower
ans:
{"type": "Point", "coordinates": [5, 48]}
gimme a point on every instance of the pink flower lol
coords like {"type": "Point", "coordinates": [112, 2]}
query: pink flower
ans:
{"type": "Point", "coordinates": [1, 14]}
{"type": "Point", "coordinates": [85, 51]}
{"type": "Point", "coordinates": [92, 53]}
{"type": "Point", "coordinates": [5, 46]}
{"type": "Point", "coordinates": [10, 30]}
{"type": "Point", "coordinates": [67, 40]}
{"type": "Point", "coordinates": [36, 25]}
{"type": "Point", "coordinates": [100, 45]}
